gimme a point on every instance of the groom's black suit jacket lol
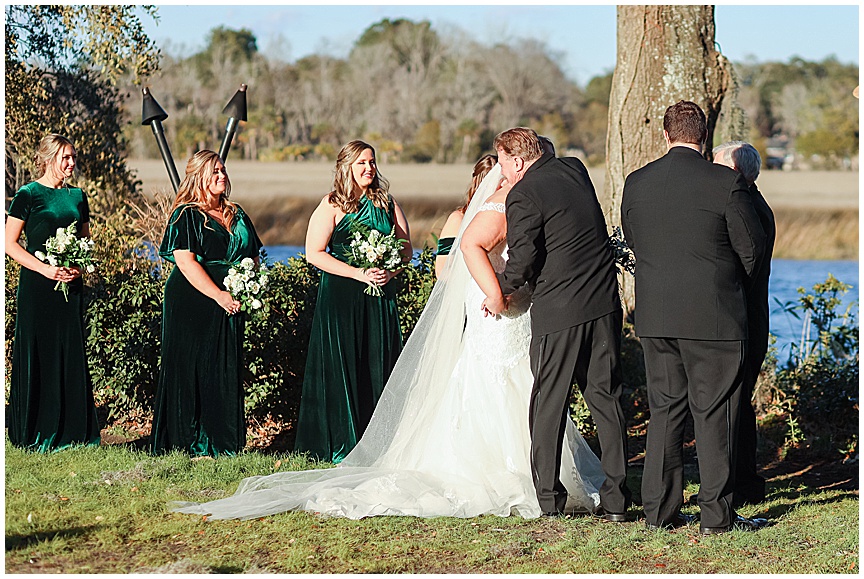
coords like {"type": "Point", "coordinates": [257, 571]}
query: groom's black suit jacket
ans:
{"type": "Point", "coordinates": [556, 237]}
{"type": "Point", "coordinates": [696, 236]}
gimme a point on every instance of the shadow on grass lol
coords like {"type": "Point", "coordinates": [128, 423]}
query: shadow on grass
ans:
{"type": "Point", "coordinates": [226, 569]}
{"type": "Point", "coordinates": [17, 542]}
{"type": "Point", "coordinates": [792, 499]}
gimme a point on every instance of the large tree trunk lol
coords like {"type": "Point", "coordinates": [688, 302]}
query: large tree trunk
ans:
{"type": "Point", "coordinates": [665, 54]}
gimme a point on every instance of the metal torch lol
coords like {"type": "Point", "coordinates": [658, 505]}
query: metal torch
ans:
{"type": "Point", "coordinates": [153, 115]}
{"type": "Point", "coordinates": [236, 111]}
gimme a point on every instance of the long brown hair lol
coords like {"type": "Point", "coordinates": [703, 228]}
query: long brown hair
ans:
{"type": "Point", "coordinates": [193, 188]}
{"type": "Point", "coordinates": [481, 169]}
{"type": "Point", "coordinates": [47, 151]}
{"type": "Point", "coordinates": [346, 193]}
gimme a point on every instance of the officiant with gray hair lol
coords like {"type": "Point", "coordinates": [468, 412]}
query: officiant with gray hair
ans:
{"type": "Point", "coordinates": [749, 486]}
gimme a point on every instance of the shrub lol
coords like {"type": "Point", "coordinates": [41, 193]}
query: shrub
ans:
{"type": "Point", "coordinates": [124, 317]}
{"type": "Point", "coordinates": [124, 336]}
{"type": "Point", "coordinates": [816, 391]}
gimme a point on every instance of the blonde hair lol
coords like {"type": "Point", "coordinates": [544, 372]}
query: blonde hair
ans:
{"type": "Point", "coordinates": [346, 193]}
{"type": "Point", "coordinates": [519, 142]}
{"type": "Point", "coordinates": [193, 188]}
{"type": "Point", "coordinates": [47, 151]}
{"type": "Point", "coordinates": [481, 169]}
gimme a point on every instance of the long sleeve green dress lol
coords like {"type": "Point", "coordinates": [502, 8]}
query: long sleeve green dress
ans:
{"type": "Point", "coordinates": [199, 398]}
{"type": "Point", "coordinates": [354, 343]}
{"type": "Point", "coordinates": [51, 395]}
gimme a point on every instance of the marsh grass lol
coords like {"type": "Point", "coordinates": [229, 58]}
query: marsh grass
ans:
{"type": "Point", "coordinates": [802, 233]}
{"type": "Point", "coordinates": [816, 233]}
{"type": "Point", "coordinates": [103, 510]}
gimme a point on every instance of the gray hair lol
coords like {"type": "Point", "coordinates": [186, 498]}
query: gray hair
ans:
{"type": "Point", "coordinates": [743, 157]}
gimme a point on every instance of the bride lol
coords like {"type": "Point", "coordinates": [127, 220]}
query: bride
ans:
{"type": "Point", "coordinates": [449, 436]}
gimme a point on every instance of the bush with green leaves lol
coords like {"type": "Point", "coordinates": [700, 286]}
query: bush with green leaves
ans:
{"type": "Point", "coordinates": [124, 316]}
{"type": "Point", "coordinates": [816, 390]}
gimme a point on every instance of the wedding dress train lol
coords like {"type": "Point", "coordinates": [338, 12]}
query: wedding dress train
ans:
{"type": "Point", "coordinates": [450, 434]}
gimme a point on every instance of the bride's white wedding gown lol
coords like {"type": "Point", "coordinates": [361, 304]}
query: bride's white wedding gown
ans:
{"type": "Point", "coordinates": [454, 447]}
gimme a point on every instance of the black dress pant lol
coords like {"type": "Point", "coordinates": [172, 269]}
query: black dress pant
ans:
{"type": "Point", "coordinates": [588, 354]}
{"type": "Point", "coordinates": [749, 485]}
{"type": "Point", "coordinates": [704, 376]}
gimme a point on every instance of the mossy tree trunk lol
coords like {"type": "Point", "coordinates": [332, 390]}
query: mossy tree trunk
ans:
{"type": "Point", "coordinates": [665, 54]}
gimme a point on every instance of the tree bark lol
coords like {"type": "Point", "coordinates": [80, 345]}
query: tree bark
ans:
{"type": "Point", "coordinates": [665, 54]}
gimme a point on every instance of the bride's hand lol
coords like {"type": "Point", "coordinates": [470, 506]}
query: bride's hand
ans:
{"type": "Point", "coordinates": [494, 306]}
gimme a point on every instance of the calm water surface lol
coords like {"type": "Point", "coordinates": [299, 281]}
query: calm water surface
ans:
{"type": "Point", "coordinates": [787, 276]}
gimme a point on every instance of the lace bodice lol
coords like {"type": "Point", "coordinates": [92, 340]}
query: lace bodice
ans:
{"type": "Point", "coordinates": [503, 339]}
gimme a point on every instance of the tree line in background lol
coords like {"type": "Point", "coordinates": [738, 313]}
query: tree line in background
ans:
{"type": "Point", "coordinates": [422, 96]}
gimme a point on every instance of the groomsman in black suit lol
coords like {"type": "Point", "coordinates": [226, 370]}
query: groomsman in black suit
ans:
{"type": "Point", "coordinates": [696, 237]}
{"type": "Point", "coordinates": [557, 242]}
{"type": "Point", "coordinates": [749, 486]}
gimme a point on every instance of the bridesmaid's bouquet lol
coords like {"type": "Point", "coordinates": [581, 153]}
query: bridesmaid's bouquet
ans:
{"type": "Point", "coordinates": [622, 253]}
{"type": "Point", "coordinates": [66, 249]}
{"type": "Point", "coordinates": [370, 248]}
{"type": "Point", "coordinates": [247, 284]}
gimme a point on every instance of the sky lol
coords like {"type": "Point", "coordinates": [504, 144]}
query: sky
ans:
{"type": "Point", "coordinates": [582, 35]}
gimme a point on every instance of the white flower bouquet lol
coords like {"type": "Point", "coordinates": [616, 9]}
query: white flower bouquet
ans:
{"type": "Point", "coordinates": [247, 283]}
{"type": "Point", "coordinates": [66, 249]}
{"type": "Point", "coordinates": [370, 248]}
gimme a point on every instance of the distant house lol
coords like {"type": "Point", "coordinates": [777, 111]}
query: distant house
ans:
{"type": "Point", "coordinates": [777, 153]}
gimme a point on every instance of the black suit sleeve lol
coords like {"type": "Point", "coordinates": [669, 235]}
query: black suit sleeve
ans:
{"type": "Point", "coordinates": [625, 222]}
{"type": "Point", "coordinates": [745, 230]}
{"type": "Point", "coordinates": [524, 228]}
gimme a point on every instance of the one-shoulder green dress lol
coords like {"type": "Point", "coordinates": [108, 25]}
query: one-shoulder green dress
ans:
{"type": "Point", "coordinates": [199, 398]}
{"type": "Point", "coordinates": [51, 395]}
{"type": "Point", "coordinates": [354, 343]}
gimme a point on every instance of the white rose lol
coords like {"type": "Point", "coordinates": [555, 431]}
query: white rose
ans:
{"type": "Point", "coordinates": [91, 268]}
{"type": "Point", "coordinates": [39, 255]}
{"type": "Point", "coordinates": [256, 304]}
{"type": "Point", "coordinates": [51, 260]}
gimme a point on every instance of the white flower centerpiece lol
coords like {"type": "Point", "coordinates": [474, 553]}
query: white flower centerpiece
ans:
{"type": "Point", "coordinates": [66, 249]}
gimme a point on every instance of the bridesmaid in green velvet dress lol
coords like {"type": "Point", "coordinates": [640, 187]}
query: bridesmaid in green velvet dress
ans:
{"type": "Point", "coordinates": [51, 395]}
{"type": "Point", "coordinates": [355, 338]}
{"type": "Point", "coordinates": [199, 398]}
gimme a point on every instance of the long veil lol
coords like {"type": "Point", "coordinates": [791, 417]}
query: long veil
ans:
{"type": "Point", "coordinates": [412, 393]}
{"type": "Point", "coordinates": [429, 355]}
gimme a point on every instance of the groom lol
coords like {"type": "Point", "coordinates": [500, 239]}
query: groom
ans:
{"type": "Point", "coordinates": [556, 238]}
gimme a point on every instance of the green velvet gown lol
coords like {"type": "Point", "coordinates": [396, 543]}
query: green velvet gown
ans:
{"type": "Point", "coordinates": [51, 395]}
{"type": "Point", "coordinates": [353, 346]}
{"type": "Point", "coordinates": [199, 398]}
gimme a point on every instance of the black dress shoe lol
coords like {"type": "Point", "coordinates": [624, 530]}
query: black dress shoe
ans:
{"type": "Point", "coordinates": [611, 517]}
{"type": "Point", "coordinates": [740, 523]}
{"type": "Point", "coordinates": [680, 520]}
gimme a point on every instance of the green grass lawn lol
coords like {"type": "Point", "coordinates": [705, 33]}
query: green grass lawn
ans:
{"type": "Point", "coordinates": [103, 510]}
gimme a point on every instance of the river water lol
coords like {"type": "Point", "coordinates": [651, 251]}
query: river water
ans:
{"type": "Point", "coordinates": [787, 276]}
